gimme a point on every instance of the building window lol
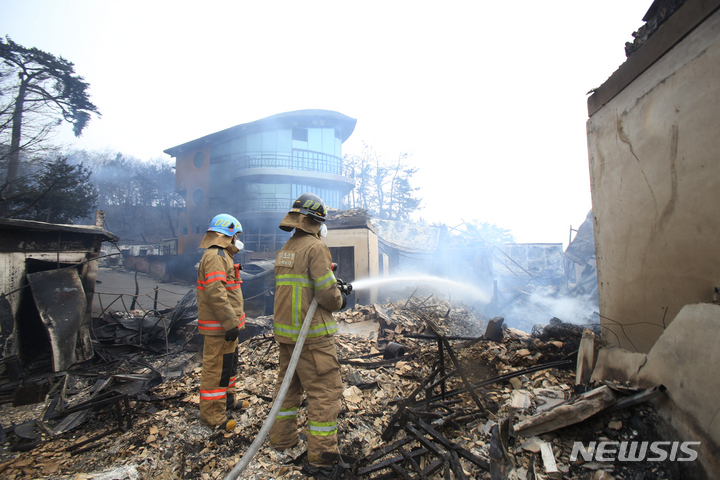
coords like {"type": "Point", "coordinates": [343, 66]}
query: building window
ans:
{"type": "Point", "coordinates": [199, 159]}
{"type": "Point", "coordinates": [197, 197]}
{"type": "Point", "coordinates": [300, 134]}
{"type": "Point", "coordinates": [197, 229]}
{"type": "Point", "coordinates": [329, 196]}
{"type": "Point", "coordinates": [316, 162]}
{"type": "Point", "coordinates": [184, 230]}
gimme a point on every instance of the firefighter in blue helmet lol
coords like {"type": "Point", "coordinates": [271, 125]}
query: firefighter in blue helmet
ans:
{"type": "Point", "coordinates": [220, 316]}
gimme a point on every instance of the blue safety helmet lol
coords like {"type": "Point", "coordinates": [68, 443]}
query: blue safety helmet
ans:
{"type": "Point", "coordinates": [225, 224]}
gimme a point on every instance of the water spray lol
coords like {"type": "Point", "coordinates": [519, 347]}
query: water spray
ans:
{"type": "Point", "coordinates": [462, 289]}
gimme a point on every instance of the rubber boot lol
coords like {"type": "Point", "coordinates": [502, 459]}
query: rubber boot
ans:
{"type": "Point", "coordinates": [228, 425]}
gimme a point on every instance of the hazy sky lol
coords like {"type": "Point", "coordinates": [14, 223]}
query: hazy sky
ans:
{"type": "Point", "coordinates": [489, 98]}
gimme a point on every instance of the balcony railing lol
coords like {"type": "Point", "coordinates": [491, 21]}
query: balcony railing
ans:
{"type": "Point", "coordinates": [266, 205]}
{"type": "Point", "coordinates": [299, 160]}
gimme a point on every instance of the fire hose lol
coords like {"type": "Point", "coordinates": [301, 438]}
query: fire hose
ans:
{"type": "Point", "coordinates": [252, 450]}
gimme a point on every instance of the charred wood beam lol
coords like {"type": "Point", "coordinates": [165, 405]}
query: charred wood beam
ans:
{"type": "Point", "coordinates": [434, 337]}
{"type": "Point", "coordinates": [457, 466]}
{"type": "Point", "coordinates": [425, 414]}
{"type": "Point", "coordinates": [385, 476]}
{"type": "Point", "coordinates": [118, 401]}
{"type": "Point", "coordinates": [441, 380]}
{"type": "Point", "coordinates": [137, 291]}
{"type": "Point", "coordinates": [389, 430]}
{"type": "Point", "coordinates": [507, 376]}
{"type": "Point", "coordinates": [380, 363]}
{"type": "Point", "coordinates": [429, 446]}
{"type": "Point", "coordinates": [423, 302]}
{"type": "Point", "coordinates": [441, 356]}
{"type": "Point", "coordinates": [445, 404]}
{"type": "Point", "coordinates": [346, 463]}
{"type": "Point", "coordinates": [447, 443]}
{"type": "Point", "coordinates": [349, 475]}
{"type": "Point", "coordinates": [73, 448]}
{"type": "Point", "coordinates": [472, 416]}
{"type": "Point", "coordinates": [637, 398]}
{"type": "Point", "coordinates": [457, 416]}
{"type": "Point", "coordinates": [432, 466]}
{"type": "Point", "coordinates": [532, 473]}
{"type": "Point", "coordinates": [369, 355]}
{"type": "Point", "coordinates": [365, 385]}
{"type": "Point", "coordinates": [455, 361]}
{"type": "Point", "coordinates": [411, 461]}
{"type": "Point", "coordinates": [501, 462]}
{"type": "Point", "coordinates": [391, 461]}
{"type": "Point", "coordinates": [387, 449]}
{"type": "Point", "coordinates": [109, 398]}
{"type": "Point", "coordinates": [399, 471]}
{"type": "Point", "coordinates": [446, 463]}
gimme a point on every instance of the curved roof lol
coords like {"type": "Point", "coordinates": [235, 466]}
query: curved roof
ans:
{"type": "Point", "coordinates": [299, 118]}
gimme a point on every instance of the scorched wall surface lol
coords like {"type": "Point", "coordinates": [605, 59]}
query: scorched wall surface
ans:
{"type": "Point", "coordinates": [654, 154]}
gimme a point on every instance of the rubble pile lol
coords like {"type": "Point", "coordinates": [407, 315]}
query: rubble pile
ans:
{"type": "Point", "coordinates": [406, 316]}
{"type": "Point", "coordinates": [425, 397]}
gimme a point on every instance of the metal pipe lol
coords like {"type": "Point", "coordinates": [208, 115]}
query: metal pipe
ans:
{"type": "Point", "coordinates": [252, 450]}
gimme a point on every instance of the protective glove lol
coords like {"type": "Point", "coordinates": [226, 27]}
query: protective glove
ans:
{"type": "Point", "coordinates": [344, 298]}
{"type": "Point", "coordinates": [231, 335]}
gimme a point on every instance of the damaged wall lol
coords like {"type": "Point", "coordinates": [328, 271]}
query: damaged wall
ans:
{"type": "Point", "coordinates": [684, 360]}
{"type": "Point", "coordinates": [655, 178]}
{"type": "Point", "coordinates": [51, 318]}
{"type": "Point", "coordinates": [352, 230]}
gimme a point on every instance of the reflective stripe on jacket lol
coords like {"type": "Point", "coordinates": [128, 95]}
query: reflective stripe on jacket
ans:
{"type": "Point", "coordinates": [303, 272]}
{"type": "Point", "coordinates": [219, 297]}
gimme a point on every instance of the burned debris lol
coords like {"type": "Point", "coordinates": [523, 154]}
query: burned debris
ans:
{"type": "Point", "coordinates": [431, 392]}
{"type": "Point", "coordinates": [48, 282]}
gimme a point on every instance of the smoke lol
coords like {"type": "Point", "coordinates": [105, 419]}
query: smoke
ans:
{"type": "Point", "coordinates": [540, 306]}
{"type": "Point", "coordinates": [526, 284]}
{"type": "Point", "coordinates": [523, 310]}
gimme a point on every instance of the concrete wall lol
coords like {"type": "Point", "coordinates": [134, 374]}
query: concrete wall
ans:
{"type": "Point", "coordinates": [654, 154]}
{"type": "Point", "coordinates": [188, 179]}
{"type": "Point", "coordinates": [151, 265]}
{"type": "Point", "coordinates": [685, 360]}
{"type": "Point", "coordinates": [365, 244]}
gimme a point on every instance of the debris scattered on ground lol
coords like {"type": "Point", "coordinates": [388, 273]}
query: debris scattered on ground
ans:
{"type": "Point", "coordinates": [427, 395]}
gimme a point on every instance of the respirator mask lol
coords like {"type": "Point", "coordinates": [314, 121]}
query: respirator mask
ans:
{"type": "Point", "coordinates": [239, 245]}
{"type": "Point", "coordinates": [323, 231]}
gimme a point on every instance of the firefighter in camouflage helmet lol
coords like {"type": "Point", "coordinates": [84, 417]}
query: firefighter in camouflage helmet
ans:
{"type": "Point", "coordinates": [303, 271]}
{"type": "Point", "coordinates": [220, 316]}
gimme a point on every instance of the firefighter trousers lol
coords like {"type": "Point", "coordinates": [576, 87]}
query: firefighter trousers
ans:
{"type": "Point", "coordinates": [318, 374]}
{"type": "Point", "coordinates": [219, 370]}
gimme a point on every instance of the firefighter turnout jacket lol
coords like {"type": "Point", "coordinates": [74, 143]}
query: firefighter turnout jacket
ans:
{"type": "Point", "coordinates": [220, 308]}
{"type": "Point", "coordinates": [303, 271]}
{"type": "Point", "coordinates": [219, 298]}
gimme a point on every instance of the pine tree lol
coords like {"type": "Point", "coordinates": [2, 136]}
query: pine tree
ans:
{"type": "Point", "coordinates": [38, 91]}
{"type": "Point", "coordinates": [60, 193]}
